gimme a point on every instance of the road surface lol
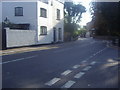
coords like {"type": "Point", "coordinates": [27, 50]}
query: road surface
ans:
{"type": "Point", "coordinates": [86, 63]}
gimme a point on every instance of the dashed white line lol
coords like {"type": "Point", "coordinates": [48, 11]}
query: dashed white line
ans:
{"type": "Point", "coordinates": [80, 74]}
{"type": "Point", "coordinates": [97, 52]}
{"type": "Point", "coordinates": [18, 59]}
{"type": "Point", "coordinates": [66, 72]}
{"type": "Point", "coordinates": [68, 84]}
{"type": "Point", "coordinates": [76, 66]}
{"type": "Point", "coordinates": [53, 81]}
{"type": "Point", "coordinates": [84, 61]}
{"type": "Point", "coordinates": [87, 68]}
{"type": "Point", "coordinates": [94, 54]}
{"type": "Point", "coordinates": [92, 63]}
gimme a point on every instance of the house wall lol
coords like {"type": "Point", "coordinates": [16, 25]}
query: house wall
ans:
{"type": "Point", "coordinates": [58, 23]}
{"type": "Point", "coordinates": [0, 25]}
{"type": "Point", "coordinates": [45, 22]}
{"type": "Point", "coordinates": [51, 21]}
{"type": "Point", "coordinates": [0, 12]}
{"type": "Point", "coordinates": [0, 44]}
{"type": "Point", "coordinates": [17, 38]}
{"type": "Point", "coordinates": [29, 13]}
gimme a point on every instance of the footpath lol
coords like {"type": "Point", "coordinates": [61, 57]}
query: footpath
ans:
{"type": "Point", "coordinates": [26, 49]}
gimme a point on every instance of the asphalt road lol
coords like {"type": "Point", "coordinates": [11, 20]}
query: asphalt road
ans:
{"type": "Point", "coordinates": [86, 63]}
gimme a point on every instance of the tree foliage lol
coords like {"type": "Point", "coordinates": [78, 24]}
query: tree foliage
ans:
{"type": "Point", "coordinates": [72, 17]}
{"type": "Point", "coordinates": [73, 12]}
{"type": "Point", "coordinates": [106, 18]}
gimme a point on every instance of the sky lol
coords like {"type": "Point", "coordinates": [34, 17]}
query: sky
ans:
{"type": "Point", "coordinates": [86, 17]}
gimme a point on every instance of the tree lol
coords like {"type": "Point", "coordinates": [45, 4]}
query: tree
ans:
{"type": "Point", "coordinates": [106, 17]}
{"type": "Point", "coordinates": [72, 14]}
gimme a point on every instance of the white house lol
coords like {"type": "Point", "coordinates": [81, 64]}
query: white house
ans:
{"type": "Point", "coordinates": [0, 12]}
{"type": "Point", "coordinates": [45, 17]}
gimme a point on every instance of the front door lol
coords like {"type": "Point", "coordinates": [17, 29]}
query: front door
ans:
{"type": "Point", "coordinates": [59, 34]}
{"type": "Point", "coordinates": [54, 34]}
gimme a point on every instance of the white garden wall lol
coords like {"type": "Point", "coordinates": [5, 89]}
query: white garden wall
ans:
{"type": "Point", "coordinates": [16, 38]}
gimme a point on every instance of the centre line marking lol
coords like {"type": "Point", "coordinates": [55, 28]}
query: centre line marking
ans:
{"type": "Point", "coordinates": [92, 63]}
{"type": "Point", "coordinates": [53, 81]}
{"type": "Point", "coordinates": [76, 66]}
{"type": "Point", "coordinates": [68, 84]}
{"type": "Point", "coordinates": [87, 68]}
{"type": "Point", "coordinates": [84, 61]}
{"type": "Point", "coordinates": [80, 74]}
{"type": "Point", "coordinates": [18, 59]}
{"type": "Point", "coordinates": [66, 72]}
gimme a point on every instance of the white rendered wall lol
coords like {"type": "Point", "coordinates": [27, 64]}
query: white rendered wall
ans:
{"type": "Point", "coordinates": [32, 15]}
{"type": "Point", "coordinates": [44, 39]}
{"type": "Point", "coordinates": [50, 21]}
{"type": "Point", "coordinates": [58, 23]}
{"type": "Point", "coordinates": [16, 38]}
{"type": "Point", "coordinates": [0, 45]}
{"type": "Point", "coordinates": [0, 11]}
{"type": "Point", "coordinates": [29, 13]}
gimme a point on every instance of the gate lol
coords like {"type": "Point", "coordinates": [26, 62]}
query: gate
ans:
{"type": "Point", "coordinates": [3, 39]}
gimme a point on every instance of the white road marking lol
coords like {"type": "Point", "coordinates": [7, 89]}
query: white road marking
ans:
{"type": "Point", "coordinates": [84, 61]}
{"type": "Point", "coordinates": [76, 66]}
{"type": "Point", "coordinates": [87, 68]}
{"type": "Point", "coordinates": [68, 84]}
{"type": "Point", "coordinates": [18, 59]}
{"type": "Point", "coordinates": [92, 63]}
{"type": "Point", "coordinates": [66, 72]}
{"type": "Point", "coordinates": [97, 52]}
{"type": "Point", "coordinates": [53, 81]}
{"type": "Point", "coordinates": [94, 54]}
{"type": "Point", "coordinates": [80, 74]}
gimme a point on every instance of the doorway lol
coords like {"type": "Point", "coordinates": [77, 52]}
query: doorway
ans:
{"type": "Point", "coordinates": [54, 35]}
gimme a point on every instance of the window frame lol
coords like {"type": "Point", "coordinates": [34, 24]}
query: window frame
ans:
{"type": "Point", "coordinates": [58, 14]}
{"type": "Point", "coordinates": [42, 32]}
{"type": "Point", "coordinates": [43, 10]}
{"type": "Point", "coordinates": [20, 13]}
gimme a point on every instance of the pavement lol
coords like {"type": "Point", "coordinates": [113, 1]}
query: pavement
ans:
{"type": "Point", "coordinates": [25, 49]}
{"type": "Point", "coordinates": [86, 63]}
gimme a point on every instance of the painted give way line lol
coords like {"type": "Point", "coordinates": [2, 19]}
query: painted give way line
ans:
{"type": "Point", "coordinates": [20, 59]}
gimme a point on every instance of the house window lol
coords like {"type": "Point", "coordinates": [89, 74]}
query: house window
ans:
{"type": "Point", "coordinates": [51, 3]}
{"type": "Point", "coordinates": [18, 11]}
{"type": "Point", "coordinates": [43, 30]}
{"type": "Point", "coordinates": [43, 12]}
{"type": "Point", "coordinates": [58, 14]}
